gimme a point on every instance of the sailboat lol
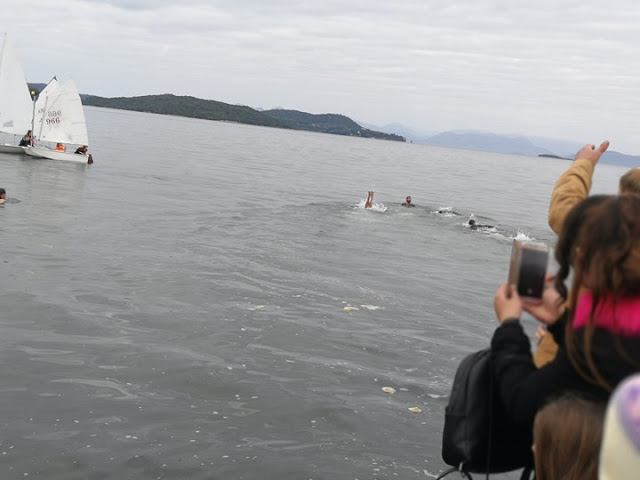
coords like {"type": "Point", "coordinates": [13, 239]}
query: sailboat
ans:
{"type": "Point", "coordinates": [58, 117]}
{"type": "Point", "coordinates": [15, 99]}
{"type": "Point", "coordinates": [40, 103]}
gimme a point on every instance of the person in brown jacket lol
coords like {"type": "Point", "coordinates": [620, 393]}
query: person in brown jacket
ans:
{"type": "Point", "coordinates": [574, 184]}
{"type": "Point", "coordinates": [572, 187]}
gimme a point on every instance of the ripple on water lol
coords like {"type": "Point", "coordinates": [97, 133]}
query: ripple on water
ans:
{"type": "Point", "coordinates": [102, 386]}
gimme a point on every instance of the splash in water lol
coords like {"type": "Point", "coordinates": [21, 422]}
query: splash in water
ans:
{"type": "Point", "coordinates": [376, 207]}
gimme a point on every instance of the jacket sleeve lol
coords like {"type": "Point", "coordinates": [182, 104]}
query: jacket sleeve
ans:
{"type": "Point", "coordinates": [557, 328]}
{"type": "Point", "coordinates": [572, 187]}
{"type": "Point", "coordinates": [522, 387]}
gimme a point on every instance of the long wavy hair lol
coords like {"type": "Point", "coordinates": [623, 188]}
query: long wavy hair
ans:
{"type": "Point", "coordinates": [600, 245]}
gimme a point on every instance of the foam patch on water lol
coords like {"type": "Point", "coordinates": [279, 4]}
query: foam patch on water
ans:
{"type": "Point", "coordinates": [523, 237]}
{"type": "Point", "coordinates": [370, 307]}
{"type": "Point", "coordinates": [447, 212]}
{"type": "Point", "coordinates": [376, 207]}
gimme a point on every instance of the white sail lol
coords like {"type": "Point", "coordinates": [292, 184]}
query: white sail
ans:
{"type": "Point", "coordinates": [40, 105]}
{"type": "Point", "coordinates": [62, 117]}
{"type": "Point", "coordinates": [15, 99]}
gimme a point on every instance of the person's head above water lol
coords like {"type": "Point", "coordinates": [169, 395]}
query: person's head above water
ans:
{"type": "Point", "coordinates": [3, 193]}
{"type": "Point", "coordinates": [472, 221]}
{"type": "Point", "coordinates": [408, 199]}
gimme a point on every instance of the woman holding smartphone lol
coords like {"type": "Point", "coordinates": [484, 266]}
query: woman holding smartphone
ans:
{"type": "Point", "coordinates": [599, 334]}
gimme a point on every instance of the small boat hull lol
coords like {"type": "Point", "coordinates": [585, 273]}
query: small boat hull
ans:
{"type": "Point", "coordinates": [43, 152]}
{"type": "Point", "coordinates": [7, 148]}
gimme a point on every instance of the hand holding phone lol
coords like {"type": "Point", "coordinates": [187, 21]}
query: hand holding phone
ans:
{"type": "Point", "coordinates": [507, 303]}
{"type": "Point", "coordinates": [552, 306]}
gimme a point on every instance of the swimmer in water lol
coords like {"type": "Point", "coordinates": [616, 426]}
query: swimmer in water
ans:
{"type": "Point", "coordinates": [449, 211]}
{"type": "Point", "coordinates": [474, 226]}
{"type": "Point", "coordinates": [407, 202]}
{"type": "Point", "coordinates": [369, 202]}
{"type": "Point", "coordinates": [3, 195]}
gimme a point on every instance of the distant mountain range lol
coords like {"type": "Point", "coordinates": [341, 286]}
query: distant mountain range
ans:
{"type": "Point", "coordinates": [509, 144]}
{"type": "Point", "coordinates": [185, 106]}
{"type": "Point", "coordinates": [342, 125]}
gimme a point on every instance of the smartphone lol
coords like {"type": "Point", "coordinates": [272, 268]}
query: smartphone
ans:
{"type": "Point", "coordinates": [527, 269]}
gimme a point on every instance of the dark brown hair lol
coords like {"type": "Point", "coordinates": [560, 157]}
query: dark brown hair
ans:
{"type": "Point", "coordinates": [567, 434]}
{"type": "Point", "coordinates": [600, 242]}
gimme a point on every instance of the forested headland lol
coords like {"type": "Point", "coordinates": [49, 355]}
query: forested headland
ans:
{"type": "Point", "coordinates": [186, 106]}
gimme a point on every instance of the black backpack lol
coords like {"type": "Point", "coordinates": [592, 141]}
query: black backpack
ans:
{"type": "Point", "coordinates": [479, 436]}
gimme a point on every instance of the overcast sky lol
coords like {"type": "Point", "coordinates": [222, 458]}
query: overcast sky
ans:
{"type": "Point", "coordinates": [557, 68]}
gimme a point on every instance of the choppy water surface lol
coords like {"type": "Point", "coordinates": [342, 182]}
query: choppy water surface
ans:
{"type": "Point", "coordinates": [209, 300]}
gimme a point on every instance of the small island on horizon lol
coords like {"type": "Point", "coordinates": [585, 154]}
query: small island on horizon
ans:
{"type": "Point", "coordinates": [549, 155]}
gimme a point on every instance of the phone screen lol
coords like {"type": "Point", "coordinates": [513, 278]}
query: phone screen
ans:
{"type": "Point", "coordinates": [533, 268]}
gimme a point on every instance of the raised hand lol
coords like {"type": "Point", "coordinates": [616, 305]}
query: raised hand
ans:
{"type": "Point", "coordinates": [591, 153]}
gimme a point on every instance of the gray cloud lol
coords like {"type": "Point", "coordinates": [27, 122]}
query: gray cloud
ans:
{"type": "Point", "coordinates": [555, 68]}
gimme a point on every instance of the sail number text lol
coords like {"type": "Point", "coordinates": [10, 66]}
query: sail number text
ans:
{"type": "Point", "coordinates": [53, 117]}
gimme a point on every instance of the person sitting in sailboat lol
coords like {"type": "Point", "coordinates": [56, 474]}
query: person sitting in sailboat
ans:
{"type": "Point", "coordinates": [26, 140]}
{"type": "Point", "coordinates": [82, 150]}
{"type": "Point", "coordinates": [60, 147]}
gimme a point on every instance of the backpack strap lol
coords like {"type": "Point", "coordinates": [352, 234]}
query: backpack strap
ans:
{"type": "Point", "coordinates": [459, 469]}
{"type": "Point", "coordinates": [526, 473]}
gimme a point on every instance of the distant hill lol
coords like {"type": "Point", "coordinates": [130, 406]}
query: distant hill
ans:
{"type": "Point", "coordinates": [327, 123]}
{"type": "Point", "coordinates": [409, 133]}
{"type": "Point", "coordinates": [185, 106]}
{"type": "Point", "coordinates": [489, 142]}
{"type": "Point", "coordinates": [511, 144]}
{"type": "Point", "coordinates": [36, 88]}
{"type": "Point", "coordinates": [342, 125]}
{"type": "Point", "coordinates": [617, 158]}
{"type": "Point", "coordinates": [168, 104]}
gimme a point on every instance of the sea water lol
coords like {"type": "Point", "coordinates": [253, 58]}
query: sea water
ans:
{"type": "Point", "coordinates": [212, 301]}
